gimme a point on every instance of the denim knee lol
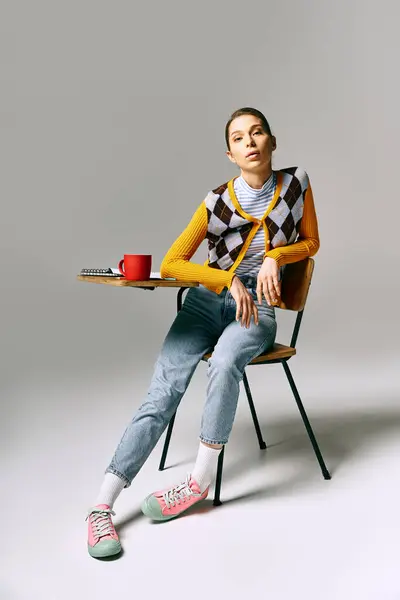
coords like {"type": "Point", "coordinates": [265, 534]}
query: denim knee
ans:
{"type": "Point", "coordinates": [219, 365]}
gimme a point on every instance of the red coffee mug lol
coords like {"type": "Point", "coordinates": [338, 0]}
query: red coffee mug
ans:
{"type": "Point", "coordinates": [136, 267]}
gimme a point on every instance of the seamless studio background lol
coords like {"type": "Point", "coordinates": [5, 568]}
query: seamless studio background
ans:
{"type": "Point", "coordinates": [112, 118]}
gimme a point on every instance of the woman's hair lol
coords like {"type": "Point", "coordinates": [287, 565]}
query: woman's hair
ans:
{"type": "Point", "coordinates": [246, 111]}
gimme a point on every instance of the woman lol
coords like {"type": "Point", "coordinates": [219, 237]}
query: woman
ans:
{"type": "Point", "coordinates": [255, 224]}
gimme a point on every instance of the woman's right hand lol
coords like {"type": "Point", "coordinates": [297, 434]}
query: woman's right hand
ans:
{"type": "Point", "coordinates": [244, 303]}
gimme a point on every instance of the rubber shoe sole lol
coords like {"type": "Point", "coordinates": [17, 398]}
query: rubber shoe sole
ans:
{"type": "Point", "coordinates": [105, 549]}
{"type": "Point", "coordinates": [152, 509]}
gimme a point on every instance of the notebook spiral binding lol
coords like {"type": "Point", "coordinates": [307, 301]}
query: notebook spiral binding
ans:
{"type": "Point", "coordinates": [100, 273]}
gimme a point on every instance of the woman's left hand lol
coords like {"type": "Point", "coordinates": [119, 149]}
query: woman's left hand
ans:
{"type": "Point", "coordinates": [267, 281]}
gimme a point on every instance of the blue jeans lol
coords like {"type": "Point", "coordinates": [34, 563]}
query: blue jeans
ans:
{"type": "Point", "coordinates": [205, 323]}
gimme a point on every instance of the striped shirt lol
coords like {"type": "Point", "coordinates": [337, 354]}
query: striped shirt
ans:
{"type": "Point", "coordinates": [255, 202]}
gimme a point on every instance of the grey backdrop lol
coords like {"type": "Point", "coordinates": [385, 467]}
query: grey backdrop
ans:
{"type": "Point", "coordinates": [112, 132]}
{"type": "Point", "coordinates": [112, 120]}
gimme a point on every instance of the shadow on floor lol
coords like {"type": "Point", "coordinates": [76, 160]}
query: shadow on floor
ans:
{"type": "Point", "coordinates": [340, 436]}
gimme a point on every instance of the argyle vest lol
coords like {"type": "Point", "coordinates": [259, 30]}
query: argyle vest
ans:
{"type": "Point", "coordinates": [228, 230]}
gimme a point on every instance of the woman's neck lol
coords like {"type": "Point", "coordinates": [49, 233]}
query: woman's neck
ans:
{"type": "Point", "coordinates": [256, 180]}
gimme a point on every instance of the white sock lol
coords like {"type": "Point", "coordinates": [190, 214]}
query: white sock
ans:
{"type": "Point", "coordinates": [206, 465]}
{"type": "Point", "coordinates": [110, 489]}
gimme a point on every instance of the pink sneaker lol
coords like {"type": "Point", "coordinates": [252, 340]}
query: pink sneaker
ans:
{"type": "Point", "coordinates": [170, 503]}
{"type": "Point", "coordinates": [102, 538]}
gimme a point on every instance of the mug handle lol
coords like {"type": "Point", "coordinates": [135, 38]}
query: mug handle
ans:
{"type": "Point", "coordinates": [121, 262]}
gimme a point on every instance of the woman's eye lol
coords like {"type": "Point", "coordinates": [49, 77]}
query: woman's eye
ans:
{"type": "Point", "coordinates": [239, 138]}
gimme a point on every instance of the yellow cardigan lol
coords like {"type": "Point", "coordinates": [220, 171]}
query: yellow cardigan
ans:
{"type": "Point", "coordinates": [176, 263]}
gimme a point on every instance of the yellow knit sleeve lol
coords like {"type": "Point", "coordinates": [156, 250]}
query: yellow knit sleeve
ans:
{"type": "Point", "coordinates": [176, 262]}
{"type": "Point", "coordinates": [307, 243]}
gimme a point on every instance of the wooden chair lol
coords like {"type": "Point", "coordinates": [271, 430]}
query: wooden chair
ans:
{"type": "Point", "coordinates": [295, 285]}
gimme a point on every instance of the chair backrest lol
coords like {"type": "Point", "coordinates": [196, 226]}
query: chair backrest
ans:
{"type": "Point", "coordinates": [296, 281]}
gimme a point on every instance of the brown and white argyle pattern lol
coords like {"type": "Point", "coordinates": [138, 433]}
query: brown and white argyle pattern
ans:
{"type": "Point", "coordinates": [228, 230]}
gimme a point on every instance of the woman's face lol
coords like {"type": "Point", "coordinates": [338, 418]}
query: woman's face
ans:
{"type": "Point", "coordinates": [246, 135]}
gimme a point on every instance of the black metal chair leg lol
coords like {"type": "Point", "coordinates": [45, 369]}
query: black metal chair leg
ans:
{"type": "Point", "coordinates": [179, 298]}
{"type": "Point", "coordinates": [217, 501]}
{"type": "Point", "coordinates": [261, 442]}
{"type": "Point", "coordinates": [306, 422]}
{"type": "Point", "coordinates": [166, 443]}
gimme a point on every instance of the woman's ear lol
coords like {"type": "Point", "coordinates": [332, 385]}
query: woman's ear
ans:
{"type": "Point", "coordinates": [229, 155]}
{"type": "Point", "coordinates": [273, 142]}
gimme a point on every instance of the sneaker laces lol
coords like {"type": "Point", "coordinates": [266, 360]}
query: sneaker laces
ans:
{"type": "Point", "coordinates": [179, 493]}
{"type": "Point", "coordinates": [100, 520]}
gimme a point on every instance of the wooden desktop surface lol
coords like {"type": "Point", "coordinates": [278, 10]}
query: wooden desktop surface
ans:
{"type": "Point", "coordinates": [149, 283]}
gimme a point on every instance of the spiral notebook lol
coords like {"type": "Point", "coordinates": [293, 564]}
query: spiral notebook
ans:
{"type": "Point", "coordinates": [111, 272]}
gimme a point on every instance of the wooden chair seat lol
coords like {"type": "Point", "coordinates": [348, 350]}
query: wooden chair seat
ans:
{"type": "Point", "coordinates": [277, 352]}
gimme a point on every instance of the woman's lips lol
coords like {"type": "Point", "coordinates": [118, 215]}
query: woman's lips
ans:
{"type": "Point", "coordinates": [253, 156]}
